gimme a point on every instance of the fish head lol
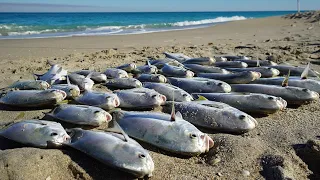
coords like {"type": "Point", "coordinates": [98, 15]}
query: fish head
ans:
{"type": "Point", "coordinates": [238, 120]}
{"type": "Point", "coordinates": [101, 77]}
{"type": "Point", "coordinates": [53, 134]}
{"type": "Point", "coordinates": [187, 97]}
{"type": "Point", "coordinates": [112, 101]}
{"type": "Point", "coordinates": [87, 84]}
{"type": "Point", "coordinates": [101, 115]}
{"type": "Point", "coordinates": [42, 84]}
{"type": "Point", "coordinates": [223, 71]}
{"type": "Point", "coordinates": [137, 83]}
{"type": "Point", "coordinates": [189, 74]}
{"type": "Point", "coordinates": [255, 75]}
{"type": "Point", "coordinates": [243, 64]}
{"type": "Point", "coordinates": [74, 91]}
{"type": "Point", "coordinates": [275, 72]}
{"type": "Point", "coordinates": [57, 94]}
{"type": "Point", "coordinates": [222, 86]}
{"type": "Point", "coordinates": [122, 74]}
{"type": "Point", "coordinates": [160, 78]}
{"type": "Point", "coordinates": [131, 66]}
{"type": "Point", "coordinates": [271, 63]}
{"type": "Point", "coordinates": [303, 93]}
{"type": "Point", "coordinates": [155, 98]}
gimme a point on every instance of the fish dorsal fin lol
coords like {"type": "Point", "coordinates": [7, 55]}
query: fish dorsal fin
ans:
{"type": "Point", "coordinates": [201, 98]}
{"type": "Point", "coordinates": [116, 128]}
{"type": "Point", "coordinates": [178, 114]}
{"type": "Point", "coordinates": [173, 114]}
{"type": "Point", "coordinates": [258, 63]}
{"type": "Point", "coordinates": [148, 63]}
{"type": "Point", "coordinates": [304, 74]}
{"type": "Point", "coordinates": [59, 70]}
{"type": "Point", "coordinates": [68, 81]}
{"type": "Point", "coordinates": [285, 82]}
{"type": "Point", "coordinates": [34, 76]}
{"type": "Point", "coordinates": [89, 75]}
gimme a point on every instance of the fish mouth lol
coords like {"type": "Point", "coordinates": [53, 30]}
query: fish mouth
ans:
{"type": "Point", "coordinates": [256, 75]}
{"type": "Point", "coordinates": [163, 99]}
{"type": "Point", "coordinates": [314, 95]}
{"type": "Point", "coordinates": [282, 103]}
{"type": "Point", "coordinates": [116, 102]}
{"type": "Point", "coordinates": [108, 117]}
{"type": "Point", "coordinates": [60, 92]}
{"type": "Point", "coordinates": [208, 142]}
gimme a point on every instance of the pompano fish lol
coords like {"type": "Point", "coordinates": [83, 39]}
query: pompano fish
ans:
{"type": "Point", "coordinates": [123, 83]}
{"type": "Point", "coordinates": [266, 72]}
{"type": "Point", "coordinates": [36, 133]}
{"type": "Point", "coordinates": [248, 102]}
{"type": "Point", "coordinates": [164, 131]}
{"type": "Point", "coordinates": [205, 69]}
{"type": "Point", "coordinates": [177, 56]}
{"type": "Point", "coordinates": [152, 78]}
{"type": "Point", "coordinates": [55, 74]}
{"type": "Point", "coordinates": [193, 85]}
{"type": "Point", "coordinates": [113, 150]}
{"type": "Point", "coordinates": [105, 101]}
{"type": "Point", "coordinates": [200, 61]}
{"type": "Point", "coordinates": [256, 63]}
{"type": "Point", "coordinates": [146, 69]}
{"type": "Point", "coordinates": [95, 76]}
{"type": "Point", "coordinates": [116, 73]}
{"type": "Point", "coordinates": [174, 71]}
{"type": "Point", "coordinates": [128, 67]}
{"type": "Point", "coordinates": [71, 90]}
{"type": "Point", "coordinates": [293, 95]}
{"type": "Point", "coordinates": [140, 98]}
{"type": "Point", "coordinates": [294, 71]}
{"type": "Point", "coordinates": [83, 82]}
{"type": "Point", "coordinates": [171, 92]}
{"type": "Point", "coordinates": [235, 78]}
{"type": "Point", "coordinates": [310, 84]}
{"type": "Point", "coordinates": [80, 114]}
{"type": "Point", "coordinates": [29, 85]}
{"type": "Point", "coordinates": [33, 98]}
{"type": "Point", "coordinates": [230, 64]}
{"type": "Point", "coordinates": [214, 115]}
{"type": "Point", "coordinates": [231, 58]}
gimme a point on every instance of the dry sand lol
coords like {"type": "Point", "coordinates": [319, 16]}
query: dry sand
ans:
{"type": "Point", "coordinates": [278, 140]}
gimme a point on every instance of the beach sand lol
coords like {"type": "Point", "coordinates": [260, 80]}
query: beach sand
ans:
{"type": "Point", "coordinates": [281, 135]}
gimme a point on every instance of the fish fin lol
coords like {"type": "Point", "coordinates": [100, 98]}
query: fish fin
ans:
{"type": "Point", "coordinates": [59, 70]}
{"type": "Point", "coordinates": [173, 114]}
{"type": "Point", "coordinates": [148, 63]}
{"type": "Point", "coordinates": [68, 81]}
{"type": "Point", "coordinates": [304, 74]}
{"type": "Point", "coordinates": [201, 98]}
{"type": "Point", "coordinates": [116, 128]}
{"type": "Point", "coordinates": [50, 63]}
{"type": "Point", "coordinates": [20, 116]}
{"type": "Point", "coordinates": [178, 114]}
{"type": "Point", "coordinates": [64, 102]}
{"type": "Point", "coordinates": [36, 76]}
{"type": "Point", "coordinates": [285, 82]}
{"type": "Point", "coordinates": [258, 63]}
{"type": "Point", "coordinates": [89, 75]}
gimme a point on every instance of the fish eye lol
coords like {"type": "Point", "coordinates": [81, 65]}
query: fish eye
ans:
{"type": "Point", "coordinates": [219, 84]}
{"type": "Point", "coordinates": [193, 135]}
{"type": "Point", "coordinates": [269, 68]}
{"type": "Point", "coordinates": [52, 91]}
{"type": "Point", "coordinates": [53, 134]}
{"type": "Point", "coordinates": [208, 83]}
{"type": "Point", "coordinates": [142, 156]}
{"type": "Point", "coordinates": [96, 112]}
{"type": "Point", "coordinates": [305, 90]}
{"type": "Point", "coordinates": [242, 117]}
{"type": "Point", "coordinates": [153, 96]}
{"type": "Point", "coordinates": [270, 98]}
{"type": "Point", "coordinates": [184, 95]}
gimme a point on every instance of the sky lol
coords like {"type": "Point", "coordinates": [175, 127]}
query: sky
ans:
{"type": "Point", "coordinates": [153, 5]}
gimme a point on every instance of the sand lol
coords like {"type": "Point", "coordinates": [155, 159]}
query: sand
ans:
{"type": "Point", "coordinates": [276, 148]}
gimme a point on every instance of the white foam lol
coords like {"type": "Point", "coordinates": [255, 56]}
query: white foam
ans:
{"type": "Point", "coordinates": [208, 21]}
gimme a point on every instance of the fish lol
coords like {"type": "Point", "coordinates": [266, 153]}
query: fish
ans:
{"type": "Point", "coordinates": [33, 98]}
{"type": "Point", "coordinates": [205, 69]}
{"type": "Point", "coordinates": [257, 63]}
{"type": "Point", "coordinates": [294, 71]}
{"type": "Point", "coordinates": [265, 71]}
{"type": "Point", "coordinates": [106, 101]}
{"type": "Point", "coordinates": [80, 114]}
{"type": "Point", "coordinates": [214, 116]}
{"type": "Point", "coordinates": [113, 150]}
{"type": "Point", "coordinates": [231, 64]}
{"type": "Point", "coordinates": [171, 133]}
{"type": "Point", "coordinates": [140, 98]}
{"type": "Point", "coordinates": [123, 83]}
{"type": "Point", "coordinates": [36, 133]}
{"type": "Point", "coordinates": [171, 92]}
{"type": "Point", "coordinates": [116, 73]}
{"type": "Point", "coordinates": [231, 58]}
{"type": "Point", "coordinates": [200, 61]}
{"type": "Point", "coordinates": [177, 56]}
{"type": "Point", "coordinates": [173, 71]}
{"type": "Point", "coordinates": [55, 74]}
{"type": "Point", "coordinates": [193, 85]}
{"type": "Point", "coordinates": [29, 85]}
{"type": "Point", "coordinates": [71, 90]}
{"type": "Point", "coordinates": [151, 78]}
{"type": "Point", "coordinates": [83, 82]}
{"type": "Point", "coordinates": [128, 67]}
{"type": "Point", "coordinates": [310, 84]}
{"type": "Point", "coordinates": [146, 69]}
{"type": "Point", "coordinates": [248, 102]}
{"type": "Point", "coordinates": [293, 95]}
{"type": "Point", "coordinates": [235, 78]}
{"type": "Point", "coordinates": [95, 76]}
{"type": "Point", "coordinates": [159, 63]}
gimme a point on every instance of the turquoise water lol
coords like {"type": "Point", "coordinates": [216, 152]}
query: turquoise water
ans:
{"type": "Point", "coordinates": [41, 25]}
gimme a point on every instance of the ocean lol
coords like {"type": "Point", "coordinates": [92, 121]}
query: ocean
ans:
{"type": "Point", "coordinates": [44, 25]}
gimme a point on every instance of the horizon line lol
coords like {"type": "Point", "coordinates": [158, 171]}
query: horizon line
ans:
{"type": "Point", "coordinates": [150, 11]}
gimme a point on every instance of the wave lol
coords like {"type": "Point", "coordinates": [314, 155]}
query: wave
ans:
{"type": "Point", "coordinates": [209, 21]}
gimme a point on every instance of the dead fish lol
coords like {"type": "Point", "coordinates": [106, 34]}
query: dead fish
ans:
{"type": "Point", "coordinates": [177, 56]}
{"type": "Point", "coordinates": [113, 150]}
{"type": "Point", "coordinates": [171, 133]}
{"type": "Point", "coordinates": [116, 73]}
{"type": "Point", "coordinates": [173, 71]}
{"type": "Point", "coordinates": [152, 78]}
{"type": "Point", "coordinates": [37, 133]}
{"type": "Point", "coordinates": [33, 98]}
{"type": "Point", "coordinates": [140, 98]}
{"type": "Point", "coordinates": [171, 92]}
{"type": "Point", "coordinates": [294, 71]}
{"type": "Point", "coordinates": [95, 76]}
{"type": "Point", "coordinates": [248, 102]}
{"type": "Point", "coordinates": [128, 67]}
{"type": "Point", "coordinates": [231, 64]}
{"type": "Point", "coordinates": [55, 75]}
{"type": "Point", "coordinates": [232, 58]}
{"type": "Point", "coordinates": [83, 82]}
{"type": "Point", "coordinates": [235, 78]}
{"type": "Point", "coordinates": [80, 114]}
{"type": "Point", "coordinates": [193, 85]}
{"type": "Point", "coordinates": [257, 63]}
{"type": "Point", "coordinates": [266, 72]}
{"type": "Point", "coordinates": [205, 69]}
{"type": "Point", "coordinates": [293, 95]}
{"type": "Point", "coordinates": [214, 115]}
{"type": "Point", "coordinates": [159, 63]}
{"type": "Point", "coordinates": [29, 85]}
{"type": "Point", "coordinates": [123, 83]}
{"type": "Point", "coordinates": [146, 69]}
{"type": "Point", "coordinates": [71, 90]}
{"type": "Point", "coordinates": [200, 61]}
{"type": "Point", "coordinates": [102, 100]}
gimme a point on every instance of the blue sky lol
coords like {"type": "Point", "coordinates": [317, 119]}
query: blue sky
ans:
{"type": "Point", "coordinates": [153, 5]}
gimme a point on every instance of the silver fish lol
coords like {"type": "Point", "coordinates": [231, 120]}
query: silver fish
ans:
{"type": "Point", "coordinates": [55, 74]}
{"type": "Point", "coordinates": [36, 133]}
{"type": "Point", "coordinates": [83, 82]}
{"type": "Point", "coordinates": [128, 67]}
{"type": "Point", "coordinates": [177, 56]}
{"type": "Point", "coordinates": [95, 76]}
{"type": "Point", "coordinates": [159, 63]}
{"type": "Point", "coordinates": [123, 83]}
{"type": "Point", "coordinates": [33, 98]}
{"type": "Point", "coordinates": [193, 85]}
{"type": "Point", "coordinates": [29, 85]}
{"type": "Point", "coordinates": [231, 58]}
{"type": "Point", "coordinates": [71, 90]}
{"type": "Point", "coordinates": [113, 150]}
{"type": "Point", "coordinates": [235, 78]}
{"type": "Point", "coordinates": [146, 69]}
{"type": "Point", "coordinates": [140, 98]}
{"type": "Point", "coordinates": [200, 61]}
{"type": "Point", "coordinates": [255, 63]}
{"type": "Point", "coordinates": [294, 71]}
{"type": "Point", "coordinates": [231, 64]}
{"type": "Point", "coordinates": [266, 72]}
{"type": "Point", "coordinates": [152, 78]}
{"type": "Point", "coordinates": [214, 115]}
{"type": "Point", "coordinates": [205, 69]}
{"type": "Point", "coordinates": [105, 101]}
{"type": "Point", "coordinates": [116, 73]}
{"type": "Point", "coordinates": [171, 92]}
{"type": "Point", "coordinates": [248, 102]}
{"type": "Point", "coordinates": [293, 95]}
{"type": "Point", "coordinates": [174, 71]}
{"type": "Point", "coordinates": [173, 134]}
